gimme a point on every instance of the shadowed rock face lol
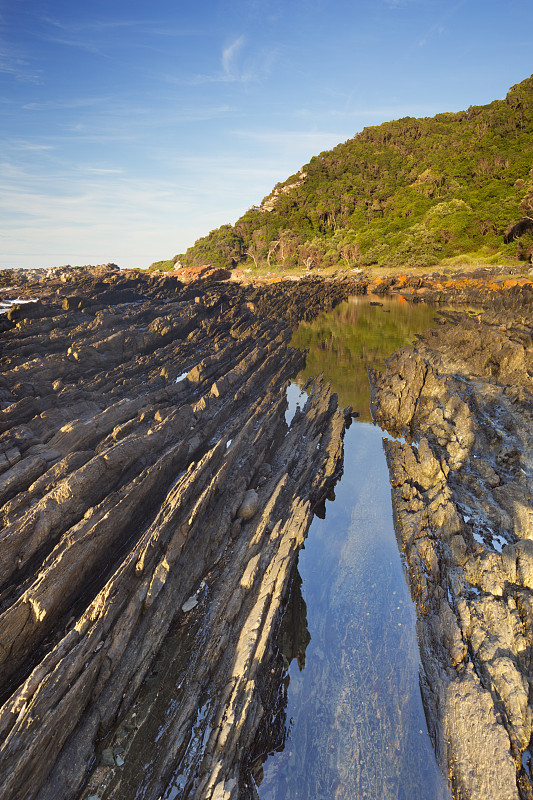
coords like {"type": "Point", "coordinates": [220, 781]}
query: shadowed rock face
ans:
{"type": "Point", "coordinates": [153, 501]}
{"type": "Point", "coordinates": [462, 486]}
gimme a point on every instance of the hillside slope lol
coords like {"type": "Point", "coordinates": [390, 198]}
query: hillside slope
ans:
{"type": "Point", "coordinates": [410, 192]}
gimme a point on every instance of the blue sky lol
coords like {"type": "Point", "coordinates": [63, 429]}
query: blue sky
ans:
{"type": "Point", "coordinates": [129, 129]}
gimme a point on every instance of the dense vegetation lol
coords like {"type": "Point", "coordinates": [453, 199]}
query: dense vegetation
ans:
{"type": "Point", "coordinates": [409, 193]}
{"type": "Point", "coordinates": [164, 266]}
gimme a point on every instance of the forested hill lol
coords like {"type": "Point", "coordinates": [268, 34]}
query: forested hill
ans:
{"type": "Point", "coordinates": [410, 192]}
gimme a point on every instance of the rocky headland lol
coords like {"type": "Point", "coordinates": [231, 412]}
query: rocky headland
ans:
{"type": "Point", "coordinates": [154, 499]}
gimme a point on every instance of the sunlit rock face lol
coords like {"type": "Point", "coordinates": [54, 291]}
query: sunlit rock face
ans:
{"type": "Point", "coordinates": [153, 503]}
{"type": "Point", "coordinates": [462, 489]}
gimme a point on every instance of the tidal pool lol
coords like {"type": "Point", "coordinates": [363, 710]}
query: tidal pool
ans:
{"type": "Point", "coordinates": [356, 724]}
{"type": "Point", "coordinates": [356, 335]}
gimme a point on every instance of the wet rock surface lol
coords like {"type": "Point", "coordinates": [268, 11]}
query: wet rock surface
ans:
{"type": "Point", "coordinates": [460, 404]}
{"type": "Point", "coordinates": [153, 500]}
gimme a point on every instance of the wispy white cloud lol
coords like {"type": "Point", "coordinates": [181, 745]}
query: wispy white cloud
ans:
{"type": "Point", "coordinates": [95, 48]}
{"type": "Point", "coordinates": [103, 121]}
{"type": "Point", "coordinates": [439, 26]}
{"type": "Point", "coordinates": [237, 65]}
{"type": "Point", "coordinates": [57, 105]}
{"type": "Point", "coordinates": [91, 221]}
{"type": "Point", "coordinates": [201, 113]}
{"type": "Point", "coordinates": [101, 36]}
{"type": "Point", "coordinates": [229, 58]}
{"type": "Point", "coordinates": [367, 114]}
{"type": "Point", "coordinates": [103, 170]}
{"type": "Point", "coordinates": [96, 214]}
{"type": "Point", "coordinates": [220, 170]}
{"type": "Point", "coordinates": [400, 3]}
{"type": "Point", "coordinates": [136, 126]}
{"type": "Point", "coordinates": [436, 29]}
{"type": "Point", "coordinates": [30, 147]}
{"type": "Point", "coordinates": [183, 113]}
{"type": "Point", "coordinates": [17, 64]}
{"type": "Point", "coordinates": [91, 25]}
{"type": "Point", "coordinates": [93, 36]}
{"type": "Point", "coordinates": [287, 139]}
{"type": "Point", "coordinates": [150, 25]}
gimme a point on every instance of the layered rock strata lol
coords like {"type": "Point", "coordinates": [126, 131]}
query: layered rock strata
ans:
{"type": "Point", "coordinates": [460, 406]}
{"type": "Point", "coordinates": [153, 500]}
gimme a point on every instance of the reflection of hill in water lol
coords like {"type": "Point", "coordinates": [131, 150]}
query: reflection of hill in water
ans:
{"type": "Point", "coordinates": [356, 727]}
{"type": "Point", "coordinates": [354, 336]}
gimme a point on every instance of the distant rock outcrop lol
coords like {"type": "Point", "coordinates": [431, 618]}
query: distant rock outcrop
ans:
{"type": "Point", "coordinates": [269, 203]}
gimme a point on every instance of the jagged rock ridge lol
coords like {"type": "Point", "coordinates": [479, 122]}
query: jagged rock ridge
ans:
{"type": "Point", "coordinates": [152, 494]}
{"type": "Point", "coordinates": [462, 491]}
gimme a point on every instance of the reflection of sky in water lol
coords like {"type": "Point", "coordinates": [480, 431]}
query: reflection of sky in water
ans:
{"type": "Point", "coordinates": [357, 724]}
{"type": "Point", "coordinates": [5, 305]}
{"type": "Point", "coordinates": [296, 399]}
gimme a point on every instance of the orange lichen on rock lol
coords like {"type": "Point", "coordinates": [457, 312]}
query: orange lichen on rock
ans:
{"type": "Point", "coordinates": [508, 283]}
{"type": "Point", "coordinates": [237, 275]}
{"type": "Point", "coordinates": [188, 274]}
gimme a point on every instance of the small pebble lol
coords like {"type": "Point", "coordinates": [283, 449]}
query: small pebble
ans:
{"type": "Point", "coordinates": [249, 505]}
{"type": "Point", "coordinates": [189, 604]}
{"type": "Point", "coordinates": [107, 758]}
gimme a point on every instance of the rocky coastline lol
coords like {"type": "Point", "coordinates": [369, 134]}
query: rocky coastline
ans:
{"type": "Point", "coordinates": [154, 499]}
{"type": "Point", "coordinates": [150, 488]}
{"type": "Point", "coordinates": [460, 404]}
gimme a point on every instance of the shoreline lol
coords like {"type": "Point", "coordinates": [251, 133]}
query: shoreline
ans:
{"type": "Point", "coordinates": [151, 488]}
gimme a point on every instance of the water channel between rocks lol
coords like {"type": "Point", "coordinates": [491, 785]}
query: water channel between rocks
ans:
{"type": "Point", "coordinates": [356, 725]}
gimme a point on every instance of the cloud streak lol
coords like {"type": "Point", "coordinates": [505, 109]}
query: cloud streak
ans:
{"type": "Point", "coordinates": [288, 139]}
{"type": "Point", "coordinates": [54, 216]}
{"type": "Point", "coordinates": [101, 37]}
{"type": "Point", "coordinates": [16, 64]}
{"type": "Point", "coordinates": [229, 58]}
{"type": "Point", "coordinates": [236, 66]}
{"type": "Point", "coordinates": [58, 105]}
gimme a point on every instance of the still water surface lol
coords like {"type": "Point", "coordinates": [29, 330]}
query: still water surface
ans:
{"type": "Point", "coordinates": [357, 728]}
